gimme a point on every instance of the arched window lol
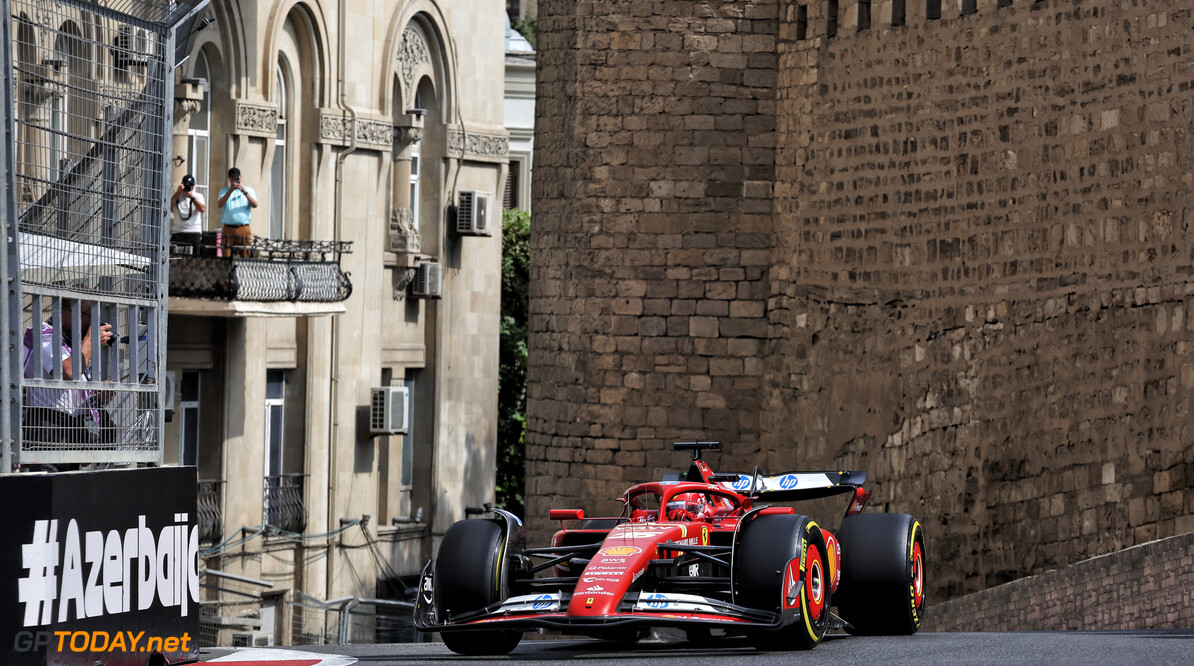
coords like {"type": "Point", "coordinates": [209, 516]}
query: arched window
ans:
{"type": "Point", "coordinates": [199, 134]}
{"type": "Point", "coordinates": [277, 185]}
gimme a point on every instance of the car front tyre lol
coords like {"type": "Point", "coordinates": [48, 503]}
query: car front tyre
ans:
{"type": "Point", "coordinates": [768, 567]}
{"type": "Point", "coordinates": [468, 577]}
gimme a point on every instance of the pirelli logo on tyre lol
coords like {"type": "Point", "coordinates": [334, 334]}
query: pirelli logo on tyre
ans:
{"type": "Point", "coordinates": [619, 551]}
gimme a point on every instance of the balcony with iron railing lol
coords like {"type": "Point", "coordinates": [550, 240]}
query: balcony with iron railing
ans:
{"type": "Point", "coordinates": [211, 519]}
{"type": "Point", "coordinates": [283, 503]}
{"type": "Point", "coordinates": [267, 277]}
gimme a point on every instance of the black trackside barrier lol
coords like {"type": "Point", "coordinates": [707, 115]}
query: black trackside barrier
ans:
{"type": "Point", "coordinates": [99, 566]}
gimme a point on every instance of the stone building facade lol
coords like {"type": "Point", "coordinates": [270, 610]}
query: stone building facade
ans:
{"type": "Point", "coordinates": [945, 242]}
{"type": "Point", "coordinates": [361, 122]}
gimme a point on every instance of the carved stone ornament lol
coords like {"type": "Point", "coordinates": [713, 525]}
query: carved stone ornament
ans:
{"type": "Point", "coordinates": [45, 14]}
{"type": "Point", "coordinates": [256, 119]}
{"type": "Point", "coordinates": [404, 236]}
{"type": "Point", "coordinates": [476, 145]}
{"type": "Point", "coordinates": [405, 136]}
{"type": "Point", "coordinates": [402, 279]}
{"type": "Point", "coordinates": [333, 128]}
{"type": "Point", "coordinates": [183, 110]}
{"type": "Point", "coordinates": [412, 53]}
{"type": "Point", "coordinates": [373, 132]}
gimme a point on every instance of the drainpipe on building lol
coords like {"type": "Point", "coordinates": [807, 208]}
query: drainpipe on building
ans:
{"type": "Point", "coordinates": [334, 402]}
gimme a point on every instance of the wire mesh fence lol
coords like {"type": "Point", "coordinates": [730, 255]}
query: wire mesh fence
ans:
{"type": "Point", "coordinates": [89, 157]}
{"type": "Point", "coordinates": [381, 621]}
{"type": "Point", "coordinates": [88, 102]}
{"type": "Point", "coordinates": [316, 622]}
{"type": "Point", "coordinates": [230, 605]}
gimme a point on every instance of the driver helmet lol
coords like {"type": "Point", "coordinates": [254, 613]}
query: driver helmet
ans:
{"type": "Point", "coordinates": [693, 503]}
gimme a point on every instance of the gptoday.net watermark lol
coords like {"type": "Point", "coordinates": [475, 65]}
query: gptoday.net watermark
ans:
{"type": "Point", "coordinates": [98, 641]}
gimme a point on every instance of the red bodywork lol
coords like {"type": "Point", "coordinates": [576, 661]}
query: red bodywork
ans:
{"type": "Point", "coordinates": [667, 560]}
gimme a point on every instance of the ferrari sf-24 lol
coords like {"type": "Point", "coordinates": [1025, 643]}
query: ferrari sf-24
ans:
{"type": "Point", "coordinates": [697, 551]}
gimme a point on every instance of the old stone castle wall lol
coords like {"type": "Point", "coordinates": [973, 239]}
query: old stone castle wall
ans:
{"type": "Point", "coordinates": [654, 164]}
{"type": "Point", "coordinates": [977, 265]}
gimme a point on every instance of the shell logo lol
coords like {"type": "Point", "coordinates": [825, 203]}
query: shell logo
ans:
{"type": "Point", "coordinates": [622, 550]}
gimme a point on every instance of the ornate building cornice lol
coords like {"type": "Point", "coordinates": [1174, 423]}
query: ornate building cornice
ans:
{"type": "Point", "coordinates": [478, 146]}
{"type": "Point", "coordinates": [256, 119]}
{"type": "Point", "coordinates": [375, 134]}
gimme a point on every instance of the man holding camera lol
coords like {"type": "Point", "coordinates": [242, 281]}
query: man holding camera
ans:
{"type": "Point", "coordinates": [188, 207]}
{"type": "Point", "coordinates": [237, 203]}
{"type": "Point", "coordinates": [66, 416]}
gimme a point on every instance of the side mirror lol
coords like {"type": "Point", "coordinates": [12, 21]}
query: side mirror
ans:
{"type": "Point", "coordinates": [566, 514]}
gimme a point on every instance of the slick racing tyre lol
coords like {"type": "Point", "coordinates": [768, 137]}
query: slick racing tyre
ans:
{"type": "Point", "coordinates": [468, 577]}
{"type": "Point", "coordinates": [769, 570]}
{"type": "Point", "coordinates": [883, 573]}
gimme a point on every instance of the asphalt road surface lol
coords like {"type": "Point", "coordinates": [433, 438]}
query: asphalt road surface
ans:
{"type": "Point", "coordinates": [1053, 648]}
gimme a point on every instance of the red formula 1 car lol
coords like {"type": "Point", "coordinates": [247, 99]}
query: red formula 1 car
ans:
{"type": "Point", "coordinates": [698, 552]}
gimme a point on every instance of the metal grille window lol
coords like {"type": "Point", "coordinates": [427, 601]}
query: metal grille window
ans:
{"type": "Point", "coordinates": [85, 99]}
{"type": "Point", "coordinates": [510, 196]}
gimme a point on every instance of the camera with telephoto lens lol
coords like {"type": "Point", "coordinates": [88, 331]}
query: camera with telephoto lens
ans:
{"type": "Point", "coordinates": [188, 182]}
{"type": "Point", "coordinates": [112, 340]}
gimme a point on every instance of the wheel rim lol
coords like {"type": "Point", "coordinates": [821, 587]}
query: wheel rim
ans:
{"type": "Point", "coordinates": [918, 576]}
{"type": "Point", "coordinates": [814, 582]}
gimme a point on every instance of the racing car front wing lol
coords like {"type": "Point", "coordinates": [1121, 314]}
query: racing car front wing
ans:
{"type": "Point", "coordinates": [636, 609]}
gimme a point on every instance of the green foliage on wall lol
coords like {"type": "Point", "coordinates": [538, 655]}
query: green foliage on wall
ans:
{"type": "Point", "coordinates": [512, 370]}
{"type": "Point", "coordinates": [528, 28]}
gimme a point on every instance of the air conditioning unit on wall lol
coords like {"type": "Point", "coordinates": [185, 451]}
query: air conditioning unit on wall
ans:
{"type": "Point", "coordinates": [472, 213]}
{"type": "Point", "coordinates": [388, 413]}
{"type": "Point", "coordinates": [134, 47]}
{"type": "Point", "coordinates": [429, 280]}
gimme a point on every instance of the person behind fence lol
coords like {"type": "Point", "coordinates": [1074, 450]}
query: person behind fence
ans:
{"type": "Point", "coordinates": [188, 207]}
{"type": "Point", "coordinates": [237, 202]}
{"type": "Point", "coordinates": [65, 416]}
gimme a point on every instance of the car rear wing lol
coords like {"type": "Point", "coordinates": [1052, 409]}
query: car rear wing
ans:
{"type": "Point", "coordinates": [794, 486]}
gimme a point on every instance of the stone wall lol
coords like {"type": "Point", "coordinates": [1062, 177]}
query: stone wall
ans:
{"type": "Point", "coordinates": [654, 163]}
{"type": "Point", "coordinates": [984, 301]}
{"type": "Point", "coordinates": [1144, 587]}
{"type": "Point", "coordinates": [978, 283]}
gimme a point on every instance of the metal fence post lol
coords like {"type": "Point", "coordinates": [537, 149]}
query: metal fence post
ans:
{"type": "Point", "coordinates": [9, 260]}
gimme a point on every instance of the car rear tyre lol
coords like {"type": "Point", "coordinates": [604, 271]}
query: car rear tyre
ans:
{"type": "Point", "coordinates": [768, 555]}
{"type": "Point", "coordinates": [882, 592]}
{"type": "Point", "coordinates": [468, 577]}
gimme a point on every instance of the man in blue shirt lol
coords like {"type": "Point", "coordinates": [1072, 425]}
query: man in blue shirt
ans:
{"type": "Point", "coordinates": [236, 203]}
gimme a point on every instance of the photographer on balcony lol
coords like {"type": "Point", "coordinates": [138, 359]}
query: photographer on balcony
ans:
{"type": "Point", "coordinates": [237, 203]}
{"type": "Point", "coordinates": [188, 207]}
